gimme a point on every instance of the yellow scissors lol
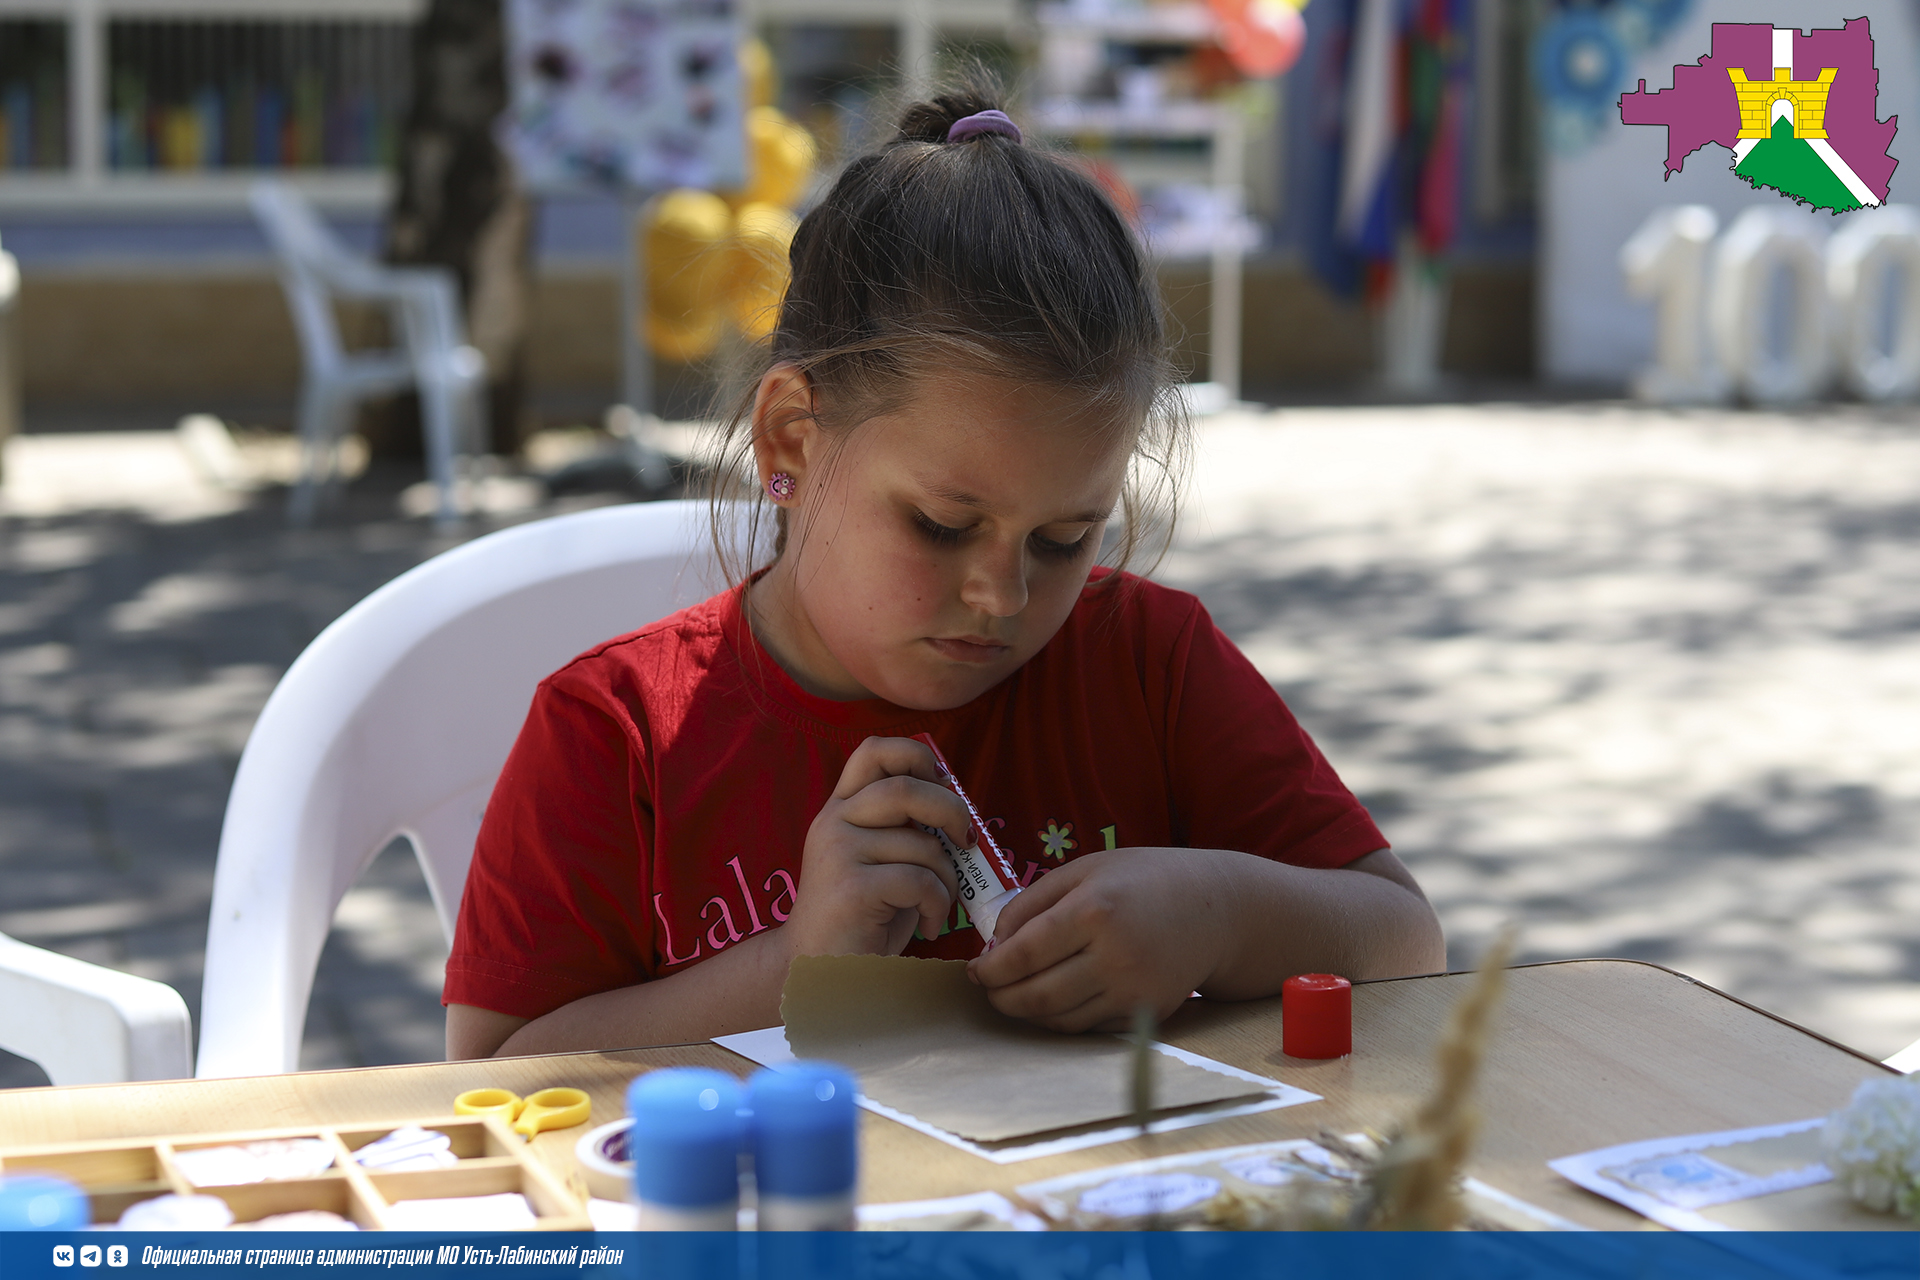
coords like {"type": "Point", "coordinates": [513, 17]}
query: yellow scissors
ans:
{"type": "Point", "coordinates": [548, 1109]}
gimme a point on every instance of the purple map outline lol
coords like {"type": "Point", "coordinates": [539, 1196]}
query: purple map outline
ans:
{"type": "Point", "coordinates": [1701, 106]}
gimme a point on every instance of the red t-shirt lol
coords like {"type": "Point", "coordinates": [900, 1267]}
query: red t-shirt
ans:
{"type": "Point", "coordinates": [654, 810]}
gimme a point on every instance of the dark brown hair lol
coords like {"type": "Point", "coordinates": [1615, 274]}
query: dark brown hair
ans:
{"type": "Point", "coordinates": [988, 255]}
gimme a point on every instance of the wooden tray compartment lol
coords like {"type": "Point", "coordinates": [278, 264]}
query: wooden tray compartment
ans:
{"type": "Point", "coordinates": [335, 1192]}
{"type": "Point", "coordinates": [181, 1176]}
{"type": "Point", "coordinates": [117, 1173]}
{"type": "Point", "coordinates": [554, 1207]}
{"type": "Point", "coordinates": [472, 1137]}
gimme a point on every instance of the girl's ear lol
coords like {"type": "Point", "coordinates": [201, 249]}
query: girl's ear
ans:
{"type": "Point", "coordinates": [785, 430]}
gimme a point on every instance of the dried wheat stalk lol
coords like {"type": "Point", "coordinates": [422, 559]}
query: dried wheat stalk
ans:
{"type": "Point", "coordinates": [1414, 1184]}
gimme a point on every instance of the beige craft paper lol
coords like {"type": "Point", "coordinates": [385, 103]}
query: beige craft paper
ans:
{"type": "Point", "coordinates": [923, 1039]}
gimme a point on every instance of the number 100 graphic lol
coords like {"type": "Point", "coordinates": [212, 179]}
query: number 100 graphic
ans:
{"type": "Point", "coordinates": [1768, 312]}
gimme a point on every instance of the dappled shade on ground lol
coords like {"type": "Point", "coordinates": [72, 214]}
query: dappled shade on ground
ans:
{"type": "Point", "coordinates": [1646, 683]}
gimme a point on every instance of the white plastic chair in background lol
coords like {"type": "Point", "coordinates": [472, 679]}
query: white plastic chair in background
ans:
{"type": "Point", "coordinates": [9, 346]}
{"type": "Point", "coordinates": [85, 1024]}
{"type": "Point", "coordinates": [395, 721]}
{"type": "Point", "coordinates": [316, 268]}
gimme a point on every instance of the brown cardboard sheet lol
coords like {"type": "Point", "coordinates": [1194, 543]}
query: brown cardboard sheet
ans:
{"type": "Point", "coordinates": [924, 1040]}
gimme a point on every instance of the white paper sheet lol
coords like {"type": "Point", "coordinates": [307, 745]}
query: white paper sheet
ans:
{"type": "Point", "coordinates": [990, 1203]}
{"type": "Point", "coordinates": [1057, 1196]}
{"type": "Point", "coordinates": [1670, 1179]}
{"type": "Point", "coordinates": [768, 1047]}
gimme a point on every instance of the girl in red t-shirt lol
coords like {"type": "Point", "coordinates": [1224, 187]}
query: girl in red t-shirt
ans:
{"type": "Point", "coordinates": [968, 379]}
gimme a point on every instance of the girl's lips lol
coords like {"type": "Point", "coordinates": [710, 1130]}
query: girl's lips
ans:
{"type": "Point", "coordinates": [968, 650]}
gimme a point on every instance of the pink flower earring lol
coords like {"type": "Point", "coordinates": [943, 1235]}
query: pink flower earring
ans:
{"type": "Point", "coordinates": [780, 486]}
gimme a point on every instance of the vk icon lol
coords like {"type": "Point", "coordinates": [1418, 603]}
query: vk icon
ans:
{"type": "Point", "coordinates": [89, 1255]}
{"type": "Point", "coordinates": [116, 1255]}
{"type": "Point", "coordinates": [63, 1255]}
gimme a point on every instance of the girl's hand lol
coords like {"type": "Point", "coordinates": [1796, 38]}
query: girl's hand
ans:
{"type": "Point", "coordinates": [1084, 946]}
{"type": "Point", "coordinates": [869, 877]}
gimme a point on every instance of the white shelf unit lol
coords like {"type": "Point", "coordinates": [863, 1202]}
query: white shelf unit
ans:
{"type": "Point", "coordinates": [1079, 121]}
{"type": "Point", "coordinates": [89, 182]}
{"type": "Point", "coordinates": [918, 23]}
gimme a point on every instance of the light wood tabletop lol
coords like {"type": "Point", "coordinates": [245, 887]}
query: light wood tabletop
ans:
{"type": "Point", "coordinates": [1586, 1054]}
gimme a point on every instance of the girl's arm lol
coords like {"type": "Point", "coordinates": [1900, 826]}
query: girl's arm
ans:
{"type": "Point", "coordinates": [1089, 943]}
{"type": "Point", "coordinates": [869, 876]}
{"type": "Point", "coordinates": [1081, 948]}
{"type": "Point", "coordinates": [737, 990]}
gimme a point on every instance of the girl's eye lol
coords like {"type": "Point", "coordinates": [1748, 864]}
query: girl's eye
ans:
{"type": "Point", "coordinates": [942, 535]}
{"type": "Point", "coordinates": [1059, 550]}
{"type": "Point", "coordinates": [939, 534]}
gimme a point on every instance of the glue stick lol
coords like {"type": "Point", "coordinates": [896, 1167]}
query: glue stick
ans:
{"type": "Point", "coordinates": [37, 1202]}
{"type": "Point", "coordinates": [987, 882]}
{"type": "Point", "coordinates": [685, 1143]}
{"type": "Point", "coordinates": [806, 1145]}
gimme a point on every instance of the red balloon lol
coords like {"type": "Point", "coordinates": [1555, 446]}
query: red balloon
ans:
{"type": "Point", "coordinates": [1262, 37]}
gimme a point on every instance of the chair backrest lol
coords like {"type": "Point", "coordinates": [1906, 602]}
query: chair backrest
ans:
{"type": "Point", "coordinates": [85, 1024]}
{"type": "Point", "coordinates": [9, 280]}
{"type": "Point", "coordinates": [9, 346]}
{"type": "Point", "coordinates": [395, 721]}
{"type": "Point", "coordinates": [313, 263]}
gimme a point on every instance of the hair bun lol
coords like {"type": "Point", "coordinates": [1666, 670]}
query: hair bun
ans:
{"type": "Point", "coordinates": [930, 121]}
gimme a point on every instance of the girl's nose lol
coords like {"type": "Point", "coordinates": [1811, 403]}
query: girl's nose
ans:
{"type": "Point", "coordinates": [997, 582]}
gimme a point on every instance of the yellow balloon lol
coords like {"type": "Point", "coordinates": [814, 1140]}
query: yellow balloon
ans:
{"type": "Point", "coordinates": [780, 158]}
{"type": "Point", "coordinates": [757, 268]}
{"type": "Point", "coordinates": [685, 231]}
{"type": "Point", "coordinates": [684, 342]}
{"type": "Point", "coordinates": [757, 77]}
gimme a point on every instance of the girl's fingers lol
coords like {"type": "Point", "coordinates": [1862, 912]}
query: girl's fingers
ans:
{"type": "Point", "coordinates": [1043, 941]}
{"type": "Point", "coordinates": [905, 887]}
{"type": "Point", "coordinates": [907, 847]}
{"type": "Point", "coordinates": [897, 801]}
{"type": "Point", "coordinates": [1069, 992]}
{"type": "Point", "coordinates": [878, 758]}
{"type": "Point", "coordinates": [1095, 1015]}
{"type": "Point", "coordinates": [1043, 893]}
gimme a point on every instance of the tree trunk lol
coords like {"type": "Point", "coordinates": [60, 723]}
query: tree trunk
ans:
{"type": "Point", "coordinates": [459, 206]}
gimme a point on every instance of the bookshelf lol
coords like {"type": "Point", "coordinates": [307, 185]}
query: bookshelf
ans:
{"type": "Point", "coordinates": [917, 23]}
{"type": "Point", "coordinates": [155, 105]}
{"type": "Point", "coordinates": [179, 104]}
{"type": "Point", "coordinates": [1119, 87]}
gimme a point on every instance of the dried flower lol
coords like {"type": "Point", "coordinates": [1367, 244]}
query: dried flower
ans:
{"type": "Point", "coordinates": [1873, 1145]}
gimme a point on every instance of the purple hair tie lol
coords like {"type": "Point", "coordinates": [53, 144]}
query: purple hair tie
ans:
{"type": "Point", "coordinates": [967, 128]}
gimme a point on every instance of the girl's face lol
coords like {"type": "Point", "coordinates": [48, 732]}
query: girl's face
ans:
{"type": "Point", "coordinates": [938, 547]}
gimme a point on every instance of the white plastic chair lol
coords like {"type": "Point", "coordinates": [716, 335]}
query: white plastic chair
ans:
{"type": "Point", "coordinates": [85, 1024]}
{"type": "Point", "coordinates": [9, 346]}
{"type": "Point", "coordinates": [395, 721]}
{"type": "Point", "coordinates": [315, 268]}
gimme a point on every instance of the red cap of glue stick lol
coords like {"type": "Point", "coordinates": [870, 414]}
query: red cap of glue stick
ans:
{"type": "Point", "coordinates": [1316, 1016]}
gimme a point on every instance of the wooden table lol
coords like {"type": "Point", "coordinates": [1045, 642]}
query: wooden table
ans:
{"type": "Point", "coordinates": [1587, 1053]}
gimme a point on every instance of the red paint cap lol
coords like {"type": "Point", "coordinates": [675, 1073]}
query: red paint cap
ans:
{"type": "Point", "coordinates": [1316, 1016]}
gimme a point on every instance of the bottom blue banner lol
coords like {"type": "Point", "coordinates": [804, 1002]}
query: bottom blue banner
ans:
{"type": "Point", "coordinates": [1650, 1255]}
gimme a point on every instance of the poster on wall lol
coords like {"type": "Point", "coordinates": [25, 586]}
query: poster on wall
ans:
{"type": "Point", "coordinates": [635, 95]}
